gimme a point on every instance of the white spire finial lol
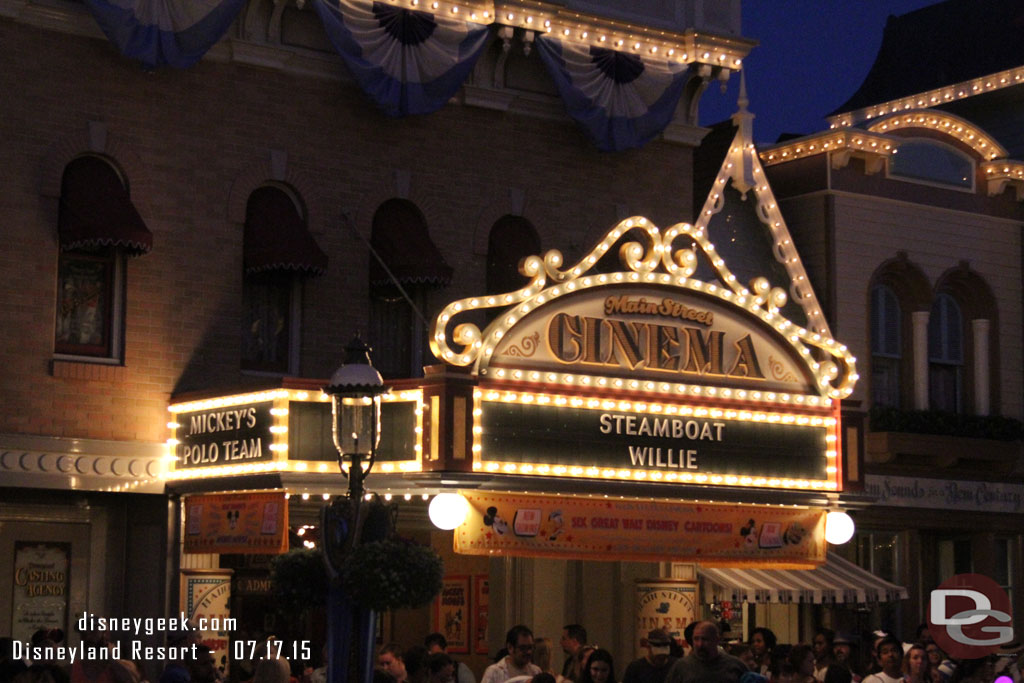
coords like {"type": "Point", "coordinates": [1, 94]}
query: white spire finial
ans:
{"type": "Point", "coordinates": [743, 145]}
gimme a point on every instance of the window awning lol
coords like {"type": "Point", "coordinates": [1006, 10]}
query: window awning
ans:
{"type": "Point", "coordinates": [276, 238]}
{"type": "Point", "coordinates": [95, 210]}
{"type": "Point", "coordinates": [401, 240]}
{"type": "Point", "coordinates": [836, 581]}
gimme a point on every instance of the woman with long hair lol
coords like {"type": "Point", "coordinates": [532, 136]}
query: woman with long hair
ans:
{"type": "Point", "coordinates": [762, 642]}
{"type": "Point", "coordinates": [916, 666]}
{"type": "Point", "coordinates": [600, 668]}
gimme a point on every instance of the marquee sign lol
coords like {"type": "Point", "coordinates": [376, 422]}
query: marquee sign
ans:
{"type": "Point", "coordinates": [560, 435]}
{"type": "Point", "coordinates": [284, 430]}
{"type": "Point", "coordinates": [651, 374]}
{"type": "Point", "coordinates": [650, 327]}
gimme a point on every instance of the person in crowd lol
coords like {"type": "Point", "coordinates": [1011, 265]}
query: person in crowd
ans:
{"type": "Point", "coordinates": [916, 667]}
{"type": "Point", "coordinates": [415, 660]}
{"type": "Point", "coordinates": [542, 654]}
{"type": "Point", "coordinates": [843, 654]}
{"type": "Point", "coordinates": [391, 658]}
{"type": "Point", "coordinates": [653, 667]}
{"type": "Point", "coordinates": [579, 664]}
{"type": "Point", "coordinates": [440, 668]}
{"type": "Point", "coordinates": [10, 666]}
{"type": "Point", "coordinates": [574, 636]}
{"type": "Point", "coordinates": [763, 642]}
{"type": "Point", "coordinates": [801, 661]}
{"type": "Point", "coordinates": [942, 668]}
{"type": "Point", "coordinates": [837, 673]}
{"type": "Point", "coordinates": [203, 668]}
{"type": "Point", "coordinates": [545, 677]}
{"type": "Point", "coordinates": [436, 642]}
{"type": "Point", "coordinates": [706, 663]}
{"type": "Point", "coordinates": [271, 670]}
{"type": "Point", "coordinates": [518, 661]}
{"type": "Point", "coordinates": [41, 673]}
{"type": "Point", "coordinates": [742, 652]}
{"type": "Point", "coordinates": [889, 654]}
{"type": "Point", "coordinates": [822, 647]}
{"type": "Point", "coordinates": [600, 667]}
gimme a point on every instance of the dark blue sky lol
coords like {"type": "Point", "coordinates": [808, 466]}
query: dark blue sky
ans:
{"type": "Point", "coordinates": [813, 55]}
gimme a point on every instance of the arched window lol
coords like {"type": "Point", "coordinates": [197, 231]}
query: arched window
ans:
{"type": "Point", "coordinates": [886, 346]}
{"type": "Point", "coordinates": [278, 252]}
{"type": "Point", "coordinates": [404, 265]}
{"type": "Point", "coordinates": [98, 226]}
{"type": "Point", "coordinates": [511, 239]}
{"type": "Point", "coordinates": [945, 355]}
{"type": "Point", "coordinates": [932, 162]}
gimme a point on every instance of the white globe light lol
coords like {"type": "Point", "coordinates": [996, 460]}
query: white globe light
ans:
{"type": "Point", "coordinates": [448, 510]}
{"type": "Point", "coordinates": [838, 527]}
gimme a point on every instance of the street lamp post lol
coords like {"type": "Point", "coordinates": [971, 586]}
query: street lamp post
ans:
{"type": "Point", "coordinates": [355, 390]}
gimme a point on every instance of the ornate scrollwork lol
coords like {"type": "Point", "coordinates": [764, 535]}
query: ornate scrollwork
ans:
{"type": "Point", "coordinates": [651, 258]}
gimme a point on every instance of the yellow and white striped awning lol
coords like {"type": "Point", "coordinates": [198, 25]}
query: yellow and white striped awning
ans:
{"type": "Point", "coordinates": [836, 581]}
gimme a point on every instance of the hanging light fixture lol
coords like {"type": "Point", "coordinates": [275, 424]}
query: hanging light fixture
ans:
{"type": "Point", "coordinates": [839, 527]}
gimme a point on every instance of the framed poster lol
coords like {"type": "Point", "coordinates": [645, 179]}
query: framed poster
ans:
{"type": "Point", "coordinates": [41, 586]}
{"type": "Point", "coordinates": [669, 604]}
{"type": "Point", "coordinates": [206, 600]}
{"type": "Point", "coordinates": [451, 613]}
{"type": "Point", "coordinates": [481, 602]}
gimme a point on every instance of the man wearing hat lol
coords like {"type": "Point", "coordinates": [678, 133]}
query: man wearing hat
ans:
{"type": "Point", "coordinates": [654, 666]}
{"type": "Point", "coordinates": [842, 654]}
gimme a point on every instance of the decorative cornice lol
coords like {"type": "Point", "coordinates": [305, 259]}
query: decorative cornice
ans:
{"type": "Point", "coordinates": [81, 464]}
{"type": "Point", "coordinates": [931, 98]}
{"type": "Point", "coordinates": [872, 147]}
{"type": "Point", "coordinates": [963, 130]}
{"type": "Point", "coordinates": [1003, 174]}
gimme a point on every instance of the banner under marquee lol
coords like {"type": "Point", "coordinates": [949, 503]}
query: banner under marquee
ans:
{"type": "Point", "coordinates": [159, 33]}
{"type": "Point", "coordinates": [407, 61]}
{"type": "Point", "coordinates": [592, 528]}
{"type": "Point", "coordinates": [621, 100]}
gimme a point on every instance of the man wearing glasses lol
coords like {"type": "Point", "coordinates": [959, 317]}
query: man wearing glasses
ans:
{"type": "Point", "coordinates": [518, 663]}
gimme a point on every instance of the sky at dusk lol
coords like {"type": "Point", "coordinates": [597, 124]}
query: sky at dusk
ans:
{"type": "Point", "coordinates": [813, 55]}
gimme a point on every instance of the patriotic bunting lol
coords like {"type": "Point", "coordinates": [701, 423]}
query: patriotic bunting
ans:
{"type": "Point", "coordinates": [164, 32]}
{"type": "Point", "coordinates": [619, 99]}
{"type": "Point", "coordinates": [408, 62]}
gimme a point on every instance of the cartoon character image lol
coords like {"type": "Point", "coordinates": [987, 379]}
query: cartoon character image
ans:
{"type": "Point", "coordinates": [232, 516]}
{"type": "Point", "coordinates": [749, 534]}
{"type": "Point", "coordinates": [495, 521]}
{"type": "Point", "coordinates": [794, 534]}
{"type": "Point", "coordinates": [662, 608]}
{"type": "Point", "coordinates": [556, 518]}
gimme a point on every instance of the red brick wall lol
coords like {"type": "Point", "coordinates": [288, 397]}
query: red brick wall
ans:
{"type": "Point", "coordinates": [194, 144]}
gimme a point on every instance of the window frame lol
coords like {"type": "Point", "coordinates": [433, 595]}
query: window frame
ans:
{"type": "Point", "coordinates": [947, 363]}
{"type": "Point", "coordinates": [112, 351]}
{"type": "Point", "coordinates": [294, 328]}
{"type": "Point", "coordinates": [971, 189]}
{"type": "Point", "coordinates": [882, 359]}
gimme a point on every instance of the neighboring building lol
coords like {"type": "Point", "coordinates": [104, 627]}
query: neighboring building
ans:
{"type": "Point", "coordinates": [908, 213]}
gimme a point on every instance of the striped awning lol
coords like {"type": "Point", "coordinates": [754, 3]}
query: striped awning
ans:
{"type": "Point", "coordinates": [836, 581]}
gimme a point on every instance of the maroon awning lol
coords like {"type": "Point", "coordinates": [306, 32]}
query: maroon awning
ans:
{"type": "Point", "coordinates": [276, 237]}
{"type": "Point", "coordinates": [95, 210]}
{"type": "Point", "coordinates": [401, 240]}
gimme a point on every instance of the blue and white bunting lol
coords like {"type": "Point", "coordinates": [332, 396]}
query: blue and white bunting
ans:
{"type": "Point", "coordinates": [159, 33]}
{"type": "Point", "coordinates": [621, 100]}
{"type": "Point", "coordinates": [408, 62]}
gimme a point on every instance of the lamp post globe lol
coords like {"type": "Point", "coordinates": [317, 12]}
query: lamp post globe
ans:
{"type": "Point", "coordinates": [355, 389]}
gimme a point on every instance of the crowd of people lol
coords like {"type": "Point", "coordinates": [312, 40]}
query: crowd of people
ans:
{"type": "Point", "coordinates": [701, 656]}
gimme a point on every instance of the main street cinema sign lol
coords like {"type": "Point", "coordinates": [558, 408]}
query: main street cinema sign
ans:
{"type": "Point", "coordinates": [649, 374]}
